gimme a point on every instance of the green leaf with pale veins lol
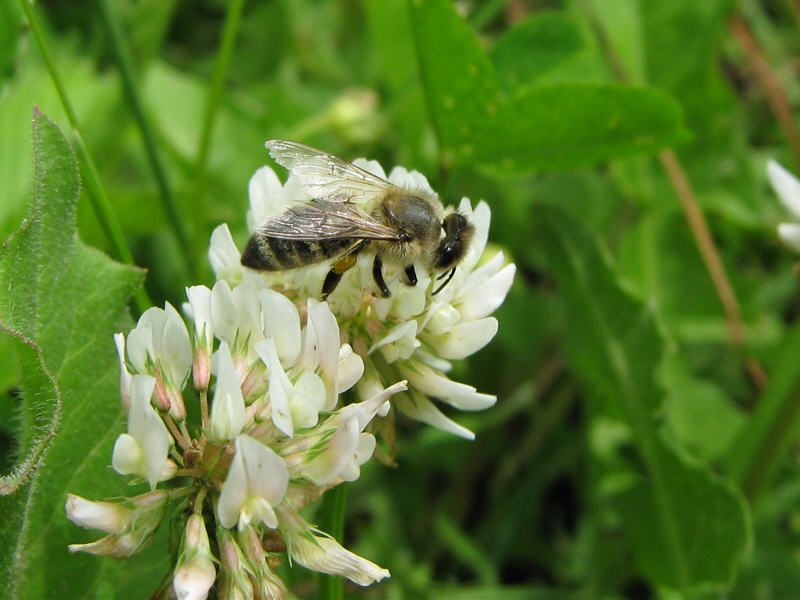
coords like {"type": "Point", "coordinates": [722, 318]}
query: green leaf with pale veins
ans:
{"type": "Point", "coordinates": [517, 129]}
{"type": "Point", "coordinates": [687, 527]}
{"type": "Point", "coordinates": [62, 301]}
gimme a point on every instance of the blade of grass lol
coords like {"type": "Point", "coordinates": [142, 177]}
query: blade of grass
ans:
{"type": "Point", "coordinates": [125, 64]}
{"type": "Point", "coordinates": [229, 32]}
{"type": "Point", "coordinates": [89, 173]}
{"type": "Point", "coordinates": [334, 506]}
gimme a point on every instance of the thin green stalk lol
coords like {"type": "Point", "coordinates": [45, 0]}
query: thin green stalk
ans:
{"type": "Point", "coordinates": [125, 64]}
{"type": "Point", "coordinates": [334, 505]}
{"type": "Point", "coordinates": [90, 174]}
{"type": "Point", "coordinates": [229, 32]}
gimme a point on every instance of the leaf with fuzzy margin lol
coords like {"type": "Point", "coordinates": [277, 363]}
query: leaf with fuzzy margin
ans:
{"type": "Point", "coordinates": [62, 301]}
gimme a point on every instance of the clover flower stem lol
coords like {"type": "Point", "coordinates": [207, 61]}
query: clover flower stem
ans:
{"type": "Point", "coordinates": [204, 410]}
{"type": "Point", "coordinates": [186, 435]}
{"type": "Point", "coordinates": [199, 499]}
{"type": "Point", "coordinates": [176, 433]}
{"type": "Point", "coordinates": [194, 472]}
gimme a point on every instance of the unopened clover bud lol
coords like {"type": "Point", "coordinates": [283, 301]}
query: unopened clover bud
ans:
{"type": "Point", "coordinates": [161, 397]}
{"type": "Point", "coordinates": [266, 583]}
{"type": "Point", "coordinates": [177, 409]}
{"type": "Point", "coordinates": [201, 369]}
{"type": "Point", "coordinates": [234, 580]}
{"type": "Point", "coordinates": [195, 573]}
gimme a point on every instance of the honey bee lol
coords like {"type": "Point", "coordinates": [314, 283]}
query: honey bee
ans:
{"type": "Point", "coordinates": [353, 211]}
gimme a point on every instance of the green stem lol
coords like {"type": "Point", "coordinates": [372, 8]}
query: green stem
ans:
{"type": "Point", "coordinates": [229, 31]}
{"type": "Point", "coordinates": [334, 506]}
{"type": "Point", "coordinates": [125, 63]}
{"type": "Point", "coordinates": [90, 174]}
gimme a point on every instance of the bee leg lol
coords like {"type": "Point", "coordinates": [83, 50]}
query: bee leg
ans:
{"type": "Point", "coordinates": [377, 275]}
{"type": "Point", "coordinates": [339, 268]}
{"type": "Point", "coordinates": [411, 274]}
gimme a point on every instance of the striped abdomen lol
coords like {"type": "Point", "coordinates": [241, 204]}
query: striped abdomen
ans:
{"type": "Point", "coordinates": [265, 253]}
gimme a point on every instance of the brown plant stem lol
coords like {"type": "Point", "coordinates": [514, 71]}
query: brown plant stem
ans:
{"type": "Point", "coordinates": [708, 252]}
{"type": "Point", "coordinates": [769, 82]}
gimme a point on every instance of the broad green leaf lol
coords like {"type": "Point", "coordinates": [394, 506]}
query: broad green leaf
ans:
{"type": "Point", "coordinates": [689, 527]}
{"type": "Point", "coordinates": [479, 121]}
{"type": "Point", "coordinates": [68, 299]}
{"type": "Point", "coordinates": [530, 49]}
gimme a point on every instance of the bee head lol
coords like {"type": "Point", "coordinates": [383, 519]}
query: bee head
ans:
{"type": "Point", "coordinates": [454, 243]}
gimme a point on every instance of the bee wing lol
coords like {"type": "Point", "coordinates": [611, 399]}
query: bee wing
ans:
{"type": "Point", "coordinates": [325, 176]}
{"type": "Point", "coordinates": [323, 220]}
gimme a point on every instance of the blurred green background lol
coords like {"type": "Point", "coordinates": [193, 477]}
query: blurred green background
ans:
{"type": "Point", "coordinates": [644, 440]}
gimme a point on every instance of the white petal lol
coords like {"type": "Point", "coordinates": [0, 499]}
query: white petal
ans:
{"type": "Point", "coordinates": [307, 399]}
{"type": "Point", "coordinates": [148, 429]}
{"type": "Point", "coordinates": [225, 256]}
{"type": "Point", "coordinates": [339, 450]}
{"type": "Point", "coordinates": [480, 217]}
{"type": "Point", "coordinates": [224, 312]}
{"type": "Point", "coordinates": [484, 299]}
{"type": "Point", "coordinates": [785, 185]}
{"type": "Point", "coordinates": [371, 166]}
{"type": "Point", "coordinates": [326, 333]}
{"type": "Point", "coordinates": [440, 318]}
{"type": "Point", "coordinates": [200, 302]}
{"type": "Point", "coordinates": [266, 197]}
{"type": "Point", "coordinates": [350, 369]}
{"type": "Point", "coordinates": [790, 234]}
{"type": "Point", "coordinates": [127, 458]}
{"type": "Point", "coordinates": [176, 348]}
{"type": "Point", "coordinates": [435, 384]}
{"type": "Point", "coordinates": [234, 492]}
{"type": "Point", "coordinates": [465, 338]}
{"type": "Point", "coordinates": [281, 323]}
{"type": "Point", "coordinates": [420, 408]}
{"type": "Point", "coordinates": [110, 517]}
{"type": "Point", "coordinates": [267, 474]}
{"type": "Point", "coordinates": [399, 343]}
{"type": "Point", "coordinates": [124, 374]}
{"type": "Point", "coordinates": [227, 408]}
{"type": "Point", "coordinates": [140, 346]}
{"type": "Point", "coordinates": [280, 388]}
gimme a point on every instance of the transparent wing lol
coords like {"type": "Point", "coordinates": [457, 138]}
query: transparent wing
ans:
{"type": "Point", "coordinates": [325, 176]}
{"type": "Point", "coordinates": [322, 220]}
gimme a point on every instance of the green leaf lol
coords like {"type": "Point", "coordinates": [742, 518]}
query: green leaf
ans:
{"type": "Point", "coordinates": [530, 49]}
{"type": "Point", "coordinates": [519, 130]}
{"type": "Point", "coordinates": [68, 300]}
{"type": "Point", "coordinates": [686, 526]}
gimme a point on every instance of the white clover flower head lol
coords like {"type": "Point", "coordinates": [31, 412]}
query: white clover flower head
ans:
{"type": "Point", "coordinates": [787, 187]}
{"type": "Point", "coordinates": [413, 334]}
{"type": "Point", "coordinates": [143, 450]}
{"type": "Point", "coordinates": [256, 483]}
{"type": "Point", "coordinates": [195, 572]}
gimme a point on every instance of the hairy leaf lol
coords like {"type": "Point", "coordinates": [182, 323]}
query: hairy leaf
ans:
{"type": "Point", "coordinates": [63, 301]}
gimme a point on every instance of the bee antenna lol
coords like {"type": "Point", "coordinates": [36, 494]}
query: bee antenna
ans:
{"type": "Point", "coordinates": [449, 277]}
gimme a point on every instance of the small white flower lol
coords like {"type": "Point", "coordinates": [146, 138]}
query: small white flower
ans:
{"type": "Point", "coordinates": [130, 523]}
{"type": "Point", "coordinates": [256, 483]}
{"type": "Point", "coordinates": [322, 553]}
{"type": "Point", "coordinates": [340, 455]}
{"type": "Point", "coordinates": [227, 408]}
{"type": "Point", "coordinates": [143, 450]}
{"type": "Point", "coordinates": [225, 256]}
{"type": "Point", "coordinates": [787, 187]}
{"type": "Point", "coordinates": [195, 573]}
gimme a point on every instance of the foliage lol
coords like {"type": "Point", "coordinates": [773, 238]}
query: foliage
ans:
{"type": "Point", "coordinates": [631, 451]}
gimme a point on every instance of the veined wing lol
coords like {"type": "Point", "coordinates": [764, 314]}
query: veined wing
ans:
{"type": "Point", "coordinates": [323, 220]}
{"type": "Point", "coordinates": [325, 176]}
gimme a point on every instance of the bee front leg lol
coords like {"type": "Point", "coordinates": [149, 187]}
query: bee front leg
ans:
{"type": "Point", "coordinates": [411, 274]}
{"type": "Point", "coordinates": [340, 267]}
{"type": "Point", "coordinates": [377, 275]}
